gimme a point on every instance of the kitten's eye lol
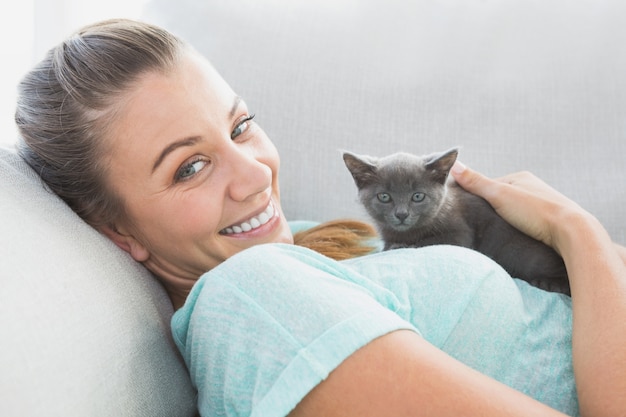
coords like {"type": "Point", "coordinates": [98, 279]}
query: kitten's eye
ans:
{"type": "Point", "coordinates": [242, 126]}
{"type": "Point", "coordinates": [383, 197]}
{"type": "Point", "coordinates": [190, 169]}
{"type": "Point", "coordinates": [417, 197]}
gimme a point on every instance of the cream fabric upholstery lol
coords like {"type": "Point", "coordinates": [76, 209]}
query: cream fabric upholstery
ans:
{"type": "Point", "coordinates": [85, 329]}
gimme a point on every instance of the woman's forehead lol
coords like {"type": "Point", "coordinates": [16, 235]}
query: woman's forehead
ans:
{"type": "Point", "coordinates": [165, 107]}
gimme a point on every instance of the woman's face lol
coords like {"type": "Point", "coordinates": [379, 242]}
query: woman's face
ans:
{"type": "Point", "coordinates": [198, 178]}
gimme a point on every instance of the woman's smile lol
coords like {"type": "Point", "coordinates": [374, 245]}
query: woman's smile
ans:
{"type": "Point", "coordinates": [254, 224]}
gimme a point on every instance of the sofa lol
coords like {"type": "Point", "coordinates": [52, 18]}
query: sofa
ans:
{"type": "Point", "coordinates": [516, 84]}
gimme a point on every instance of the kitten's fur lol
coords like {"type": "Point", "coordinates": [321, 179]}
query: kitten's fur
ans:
{"type": "Point", "coordinates": [414, 202]}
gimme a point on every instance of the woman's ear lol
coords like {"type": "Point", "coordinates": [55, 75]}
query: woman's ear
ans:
{"type": "Point", "coordinates": [127, 243]}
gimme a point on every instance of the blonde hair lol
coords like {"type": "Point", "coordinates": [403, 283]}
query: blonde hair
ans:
{"type": "Point", "coordinates": [67, 101]}
{"type": "Point", "coordinates": [339, 239]}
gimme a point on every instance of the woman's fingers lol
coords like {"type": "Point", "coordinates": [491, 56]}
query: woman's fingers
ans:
{"type": "Point", "coordinates": [521, 198]}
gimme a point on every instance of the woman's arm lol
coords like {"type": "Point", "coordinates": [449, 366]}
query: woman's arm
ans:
{"type": "Point", "coordinates": [597, 274]}
{"type": "Point", "coordinates": [401, 374]}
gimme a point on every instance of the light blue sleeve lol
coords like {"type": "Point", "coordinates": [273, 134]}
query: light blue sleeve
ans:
{"type": "Point", "coordinates": [265, 327]}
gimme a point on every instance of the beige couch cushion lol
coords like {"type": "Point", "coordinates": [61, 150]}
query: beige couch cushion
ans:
{"type": "Point", "coordinates": [85, 329]}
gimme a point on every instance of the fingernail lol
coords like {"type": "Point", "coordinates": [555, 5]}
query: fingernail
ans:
{"type": "Point", "coordinates": [458, 167]}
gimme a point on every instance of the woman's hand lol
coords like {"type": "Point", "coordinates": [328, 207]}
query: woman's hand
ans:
{"type": "Point", "coordinates": [523, 200]}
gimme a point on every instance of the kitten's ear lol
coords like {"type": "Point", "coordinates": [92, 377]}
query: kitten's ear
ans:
{"type": "Point", "coordinates": [440, 164]}
{"type": "Point", "coordinates": [362, 170]}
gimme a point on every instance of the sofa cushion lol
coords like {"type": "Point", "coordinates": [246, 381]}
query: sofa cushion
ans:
{"type": "Point", "coordinates": [85, 329]}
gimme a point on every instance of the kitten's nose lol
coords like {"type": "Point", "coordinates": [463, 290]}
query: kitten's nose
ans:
{"type": "Point", "coordinates": [402, 215]}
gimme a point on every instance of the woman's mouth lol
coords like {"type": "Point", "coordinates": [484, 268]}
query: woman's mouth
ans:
{"type": "Point", "coordinates": [252, 223]}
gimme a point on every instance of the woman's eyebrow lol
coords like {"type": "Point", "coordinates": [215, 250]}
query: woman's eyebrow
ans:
{"type": "Point", "coordinates": [172, 147]}
{"type": "Point", "coordinates": [192, 140]}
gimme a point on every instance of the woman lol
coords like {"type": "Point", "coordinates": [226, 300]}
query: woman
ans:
{"type": "Point", "coordinates": [146, 142]}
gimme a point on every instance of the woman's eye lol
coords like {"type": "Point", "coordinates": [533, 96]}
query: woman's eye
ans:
{"type": "Point", "coordinates": [190, 169]}
{"type": "Point", "coordinates": [242, 126]}
{"type": "Point", "coordinates": [383, 197]}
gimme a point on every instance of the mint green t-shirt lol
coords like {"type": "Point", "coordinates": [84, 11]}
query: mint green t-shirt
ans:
{"type": "Point", "coordinates": [262, 329]}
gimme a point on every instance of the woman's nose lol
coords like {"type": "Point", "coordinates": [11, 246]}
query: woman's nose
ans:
{"type": "Point", "coordinates": [250, 176]}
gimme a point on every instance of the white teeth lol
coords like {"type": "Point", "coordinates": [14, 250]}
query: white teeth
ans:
{"type": "Point", "coordinates": [253, 223]}
{"type": "Point", "coordinates": [263, 218]}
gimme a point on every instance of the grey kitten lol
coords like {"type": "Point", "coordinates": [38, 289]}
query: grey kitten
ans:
{"type": "Point", "coordinates": [414, 202]}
